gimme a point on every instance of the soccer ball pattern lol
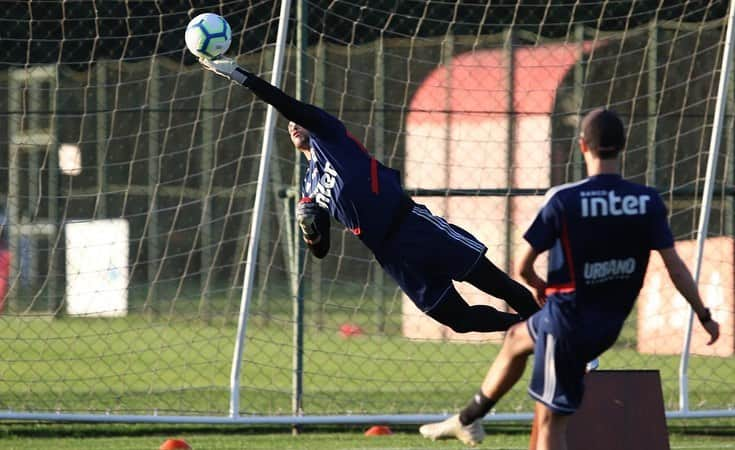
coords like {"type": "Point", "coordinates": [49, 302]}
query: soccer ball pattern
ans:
{"type": "Point", "coordinates": [208, 35]}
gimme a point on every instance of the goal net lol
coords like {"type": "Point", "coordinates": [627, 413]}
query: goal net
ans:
{"type": "Point", "coordinates": [132, 175]}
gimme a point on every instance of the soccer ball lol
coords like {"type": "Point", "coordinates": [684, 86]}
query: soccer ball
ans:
{"type": "Point", "coordinates": [208, 35]}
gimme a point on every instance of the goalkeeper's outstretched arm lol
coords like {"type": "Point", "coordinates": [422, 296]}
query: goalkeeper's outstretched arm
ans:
{"type": "Point", "coordinates": [308, 116]}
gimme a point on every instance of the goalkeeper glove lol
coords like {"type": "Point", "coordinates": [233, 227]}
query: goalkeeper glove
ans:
{"type": "Point", "coordinates": [225, 67]}
{"type": "Point", "coordinates": [306, 214]}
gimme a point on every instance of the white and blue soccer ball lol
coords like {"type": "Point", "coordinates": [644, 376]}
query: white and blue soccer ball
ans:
{"type": "Point", "coordinates": [208, 35]}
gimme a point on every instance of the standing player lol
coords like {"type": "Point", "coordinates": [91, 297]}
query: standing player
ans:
{"type": "Point", "coordinates": [422, 252]}
{"type": "Point", "coordinates": [599, 232]}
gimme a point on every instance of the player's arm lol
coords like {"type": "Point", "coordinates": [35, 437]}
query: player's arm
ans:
{"type": "Point", "coordinates": [540, 236]}
{"type": "Point", "coordinates": [528, 273]}
{"type": "Point", "coordinates": [684, 283]}
{"type": "Point", "coordinates": [314, 223]}
{"type": "Point", "coordinates": [308, 116]}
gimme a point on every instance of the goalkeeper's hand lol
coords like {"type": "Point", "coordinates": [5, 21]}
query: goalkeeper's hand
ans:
{"type": "Point", "coordinates": [225, 67]}
{"type": "Point", "coordinates": [306, 215]}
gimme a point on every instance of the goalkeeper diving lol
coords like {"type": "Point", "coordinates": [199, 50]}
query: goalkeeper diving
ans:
{"type": "Point", "coordinates": [420, 251]}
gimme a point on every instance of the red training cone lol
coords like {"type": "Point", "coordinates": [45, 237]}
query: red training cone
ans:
{"type": "Point", "coordinates": [175, 444]}
{"type": "Point", "coordinates": [378, 430]}
{"type": "Point", "coordinates": [349, 329]}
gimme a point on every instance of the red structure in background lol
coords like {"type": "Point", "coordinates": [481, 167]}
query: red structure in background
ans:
{"type": "Point", "coordinates": [458, 138]}
{"type": "Point", "coordinates": [663, 314]}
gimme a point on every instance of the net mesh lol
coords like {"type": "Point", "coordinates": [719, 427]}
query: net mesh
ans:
{"type": "Point", "coordinates": [477, 105]}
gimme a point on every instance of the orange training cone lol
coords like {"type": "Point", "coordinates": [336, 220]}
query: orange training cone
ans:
{"type": "Point", "coordinates": [175, 444]}
{"type": "Point", "coordinates": [378, 430]}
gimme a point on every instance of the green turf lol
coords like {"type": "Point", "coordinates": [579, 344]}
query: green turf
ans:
{"type": "Point", "coordinates": [168, 363]}
{"type": "Point", "coordinates": [144, 365]}
{"type": "Point", "coordinates": [704, 435]}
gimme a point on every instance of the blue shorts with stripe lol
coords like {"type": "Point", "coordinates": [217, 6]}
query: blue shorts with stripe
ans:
{"type": "Point", "coordinates": [565, 340]}
{"type": "Point", "coordinates": [426, 253]}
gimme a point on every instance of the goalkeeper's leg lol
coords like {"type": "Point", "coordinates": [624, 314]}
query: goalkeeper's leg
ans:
{"type": "Point", "coordinates": [488, 278]}
{"type": "Point", "coordinates": [454, 312]}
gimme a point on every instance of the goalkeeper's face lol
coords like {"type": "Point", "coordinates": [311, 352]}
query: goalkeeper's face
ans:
{"type": "Point", "coordinates": [299, 136]}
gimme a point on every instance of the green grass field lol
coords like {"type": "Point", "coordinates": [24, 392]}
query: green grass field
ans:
{"type": "Point", "coordinates": [179, 365]}
{"type": "Point", "coordinates": [692, 435]}
{"type": "Point", "coordinates": [139, 366]}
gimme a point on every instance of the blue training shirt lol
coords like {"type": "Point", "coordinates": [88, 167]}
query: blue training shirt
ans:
{"type": "Point", "coordinates": [358, 191]}
{"type": "Point", "coordinates": [599, 233]}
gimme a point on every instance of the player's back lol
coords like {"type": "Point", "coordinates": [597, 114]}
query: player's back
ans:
{"type": "Point", "coordinates": [606, 229]}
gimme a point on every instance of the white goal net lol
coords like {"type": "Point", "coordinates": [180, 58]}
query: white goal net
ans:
{"type": "Point", "coordinates": [131, 175]}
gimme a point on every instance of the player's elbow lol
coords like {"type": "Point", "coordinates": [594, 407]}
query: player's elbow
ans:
{"type": "Point", "coordinates": [676, 274]}
{"type": "Point", "coordinates": [525, 273]}
{"type": "Point", "coordinates": [678, 271]}
{"type": "Point", "coordinates": [681, 278]}
{"type": "Point", "coordinates": [525, 267]}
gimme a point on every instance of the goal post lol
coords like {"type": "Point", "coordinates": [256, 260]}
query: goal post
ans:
{"type": "Point", "coordinates": [707, 194]}
{"type": "Point", "coordinates": [228, 319]}
{"type": "Point", "coordinates": [260, 196]}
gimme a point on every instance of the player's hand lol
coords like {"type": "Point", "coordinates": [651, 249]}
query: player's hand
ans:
{"type": "Point", "coordinates": [306, 213]}
{"type": "Point", "coordinates": [539, 289]}
{"type": "Point", "coordinates": [225, 67]}
{"type": "Point", "coordinates": [713, 329]}
{"type": "Point", "coordinates": [540, 294]}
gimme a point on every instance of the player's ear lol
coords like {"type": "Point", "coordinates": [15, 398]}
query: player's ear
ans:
{"type": "Point", "coordinates": [583, 146]}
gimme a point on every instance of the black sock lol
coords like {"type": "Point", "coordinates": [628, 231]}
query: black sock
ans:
{"type": "Point", "coordinates": [463, 318]}
{"type": "Point", "coordinates": [476, 409]}
{"type": "Point", "coordinates": [489, 279]}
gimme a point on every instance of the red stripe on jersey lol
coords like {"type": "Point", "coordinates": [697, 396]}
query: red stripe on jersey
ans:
{"type": "Point", "coordinates": [560, 289]}
{"type": "Point", "coordinates": [374, 184]}
{"type": "Point", "coordinates": [567, 253]}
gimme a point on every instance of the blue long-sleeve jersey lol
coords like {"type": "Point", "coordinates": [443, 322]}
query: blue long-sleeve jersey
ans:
{"type": "Point", "coordinates": [359, 192]}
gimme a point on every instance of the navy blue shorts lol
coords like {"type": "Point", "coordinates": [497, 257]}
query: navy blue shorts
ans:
{"type": "Point", "coordinates": [426, 253]}
{"type": "Point", "coordinates": [565, 341]}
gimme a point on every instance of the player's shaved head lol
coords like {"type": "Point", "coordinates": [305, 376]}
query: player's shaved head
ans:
{"type": "Point", "coordinates": [603, 132]}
